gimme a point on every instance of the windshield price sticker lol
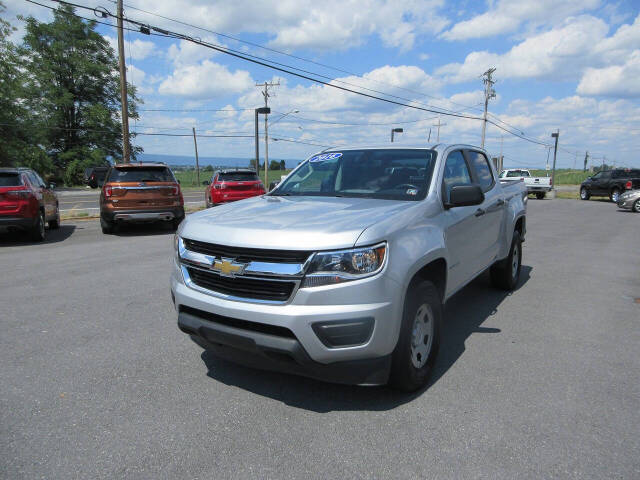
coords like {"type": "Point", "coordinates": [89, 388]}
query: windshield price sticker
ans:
{"type": "Point", "coordinates": [325, 156]}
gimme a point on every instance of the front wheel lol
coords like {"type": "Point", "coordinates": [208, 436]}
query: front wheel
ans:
{"type": "Point", "coordinates": [584, 194]}
{"type": "Point", "coordinates": [615, 195]}
{"type": "Point", "coordinates": [506, 273]}
{"type": "Point", "coordinates": [636, 206]}
{"type": "Point", "coordinates": [417, 348]}
{"type": "Point", "coordinates": [55, 223]}
{"type": "Point", "coordinates": [37, 232]}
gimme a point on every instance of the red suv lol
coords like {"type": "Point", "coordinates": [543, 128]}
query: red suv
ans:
{"type": "Point", "coordinates": [231, 185]}
{"type": "Point", "coordinates": [27, 203]}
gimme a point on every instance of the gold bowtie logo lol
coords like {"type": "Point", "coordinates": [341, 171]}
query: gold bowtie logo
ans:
{"type": "Point", "coordinates": [228, 267]}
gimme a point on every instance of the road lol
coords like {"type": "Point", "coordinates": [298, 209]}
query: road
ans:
{"type": "Point", "coordinates": [88, 200]}
{"type": "Point", "coordinates": [97, 381]}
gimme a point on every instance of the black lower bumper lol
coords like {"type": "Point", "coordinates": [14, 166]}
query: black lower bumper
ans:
{"type": "Point", "coordinates": [21, 223]}
{"type": "Point", "coordinates": [146, 215]}
{"type": "Point", "coordinates": [268, 351]}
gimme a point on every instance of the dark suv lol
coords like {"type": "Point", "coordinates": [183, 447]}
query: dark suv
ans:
{"type": "Point", "coordinates": [140, 192]}
{"type": "Point", "coordinates": [27, 203]}
{"type": "Point", "coordinates": [610, 183]}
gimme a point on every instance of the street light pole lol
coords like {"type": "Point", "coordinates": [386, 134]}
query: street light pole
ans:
{"type": "Point", "coordinates": [555, 135]}
{"type": "Point", "coordinates": [395, 130]}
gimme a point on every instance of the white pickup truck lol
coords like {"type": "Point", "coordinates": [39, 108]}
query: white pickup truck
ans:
{"type": "Point", "coordinates": [537, 185]}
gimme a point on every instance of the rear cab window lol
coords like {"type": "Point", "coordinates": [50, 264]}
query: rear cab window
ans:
{"type": "Point", "coordinates": [517, 173]}
{"type": "Point", "coordinates": [9, 179]}
{"type": "Point", "coordinates": [140, 174]}
{"type": "Point", "coordinates": [237, 177]}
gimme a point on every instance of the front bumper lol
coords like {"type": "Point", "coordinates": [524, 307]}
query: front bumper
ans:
{"type": "Point", "coordinates": [147, 215]}
{"type": "Point", "coordinates": [627, 202]}
{"type": "Point", "coordinates": [378, 298]}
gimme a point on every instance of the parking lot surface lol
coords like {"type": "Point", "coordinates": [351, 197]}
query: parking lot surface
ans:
{"type": "Point", "coordinates": [88, 200]}
{"type": "Point", "coordinates": [97, 381]}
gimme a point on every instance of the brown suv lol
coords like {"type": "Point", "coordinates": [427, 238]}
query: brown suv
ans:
{"type": "Point", "coordinates": [140, 192]}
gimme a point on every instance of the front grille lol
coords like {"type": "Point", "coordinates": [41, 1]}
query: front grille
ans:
{"type": "Point", "coordinates": [242, 287]}
{"type": "Point", "coordinates": [246, 255]}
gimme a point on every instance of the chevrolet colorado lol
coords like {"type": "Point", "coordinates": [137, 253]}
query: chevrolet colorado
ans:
{"type": "Point", "coordinates": [341, 272]}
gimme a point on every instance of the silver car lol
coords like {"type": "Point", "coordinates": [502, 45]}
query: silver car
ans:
{"type": "Point", "coordinates": [630, 200]}
{"type": "Point", "coordinates": [341, 272]}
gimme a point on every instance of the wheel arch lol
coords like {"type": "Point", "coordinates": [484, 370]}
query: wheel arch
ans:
{"type": "Point", "coordinates": [436, 272]}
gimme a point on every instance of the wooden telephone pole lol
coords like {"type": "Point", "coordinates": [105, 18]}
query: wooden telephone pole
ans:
{"type": "Point", "coordinates": [126, 153]}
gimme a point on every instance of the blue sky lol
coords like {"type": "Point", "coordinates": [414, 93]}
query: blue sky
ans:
{"type": "Point", "coordinates": [572, 65]}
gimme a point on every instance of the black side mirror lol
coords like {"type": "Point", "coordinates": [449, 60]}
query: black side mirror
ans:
{"type": "Point", "coordinates": [464, 195]}
{"type": "Point", "coordinates": [178, 181]}
{"type": "Point", "coordinates": [206, 182]}
{"type": "Point", "coordinates": [52, 185]}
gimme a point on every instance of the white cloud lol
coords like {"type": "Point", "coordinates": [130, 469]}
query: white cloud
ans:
{"type": "Point", "coordinates": [137, 50]}
{"type": "Point", "coordinates": [189, 53]}
{"type": "Point", "coordinates": [508, 16]}
{"type": "Point", "coordinates": [332, 24]}
{"type": "Point", "coordinates": [424, 56]}
{"type": "Point", "coordinates": [615, 81]}
{"type": "Point", "coordinates": [206, 80]}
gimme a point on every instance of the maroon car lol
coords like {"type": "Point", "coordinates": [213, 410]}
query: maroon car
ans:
{"type": "Point", "coordinates": [27, 203]}
{"type": "Point", "coordinates": [231, 185]}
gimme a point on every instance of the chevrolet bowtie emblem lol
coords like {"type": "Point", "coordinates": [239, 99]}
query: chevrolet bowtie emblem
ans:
{"type": "Point", "coordinates": [228, 267]}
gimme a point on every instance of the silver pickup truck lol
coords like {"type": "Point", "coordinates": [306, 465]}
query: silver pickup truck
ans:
{"type": "Point", "coordinates": [341, 272]}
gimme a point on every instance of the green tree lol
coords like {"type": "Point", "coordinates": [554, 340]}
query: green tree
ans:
{"type": "Point", "coordinates": [72, 92]}
{"type": "Point", "coordinates": [283, 165]}
{"type": "Point", "coordinates": [19, 141]}
{"type": "Point", "coordinates": [274, 165]}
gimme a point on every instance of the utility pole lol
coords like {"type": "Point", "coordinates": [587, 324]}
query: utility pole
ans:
{"type": "Point", "coordinates": [195, 144]}
{"type": "Point", "coordinates": [266, 96]}
{"type": "Point", "coordinates": [438, 125]}
{"type": "Point", "coordinates": [123, 90]}
{"type": "Point", "coordinates": [586, 160]}
{"type": "Point", "coordinates": [575, 160]}
{"type": "Point", "coordinates": [555, 135]}
{"type": "Point", "coordinates": [489, 93]}
{"type": "Point", "coordinates": [429, 139]}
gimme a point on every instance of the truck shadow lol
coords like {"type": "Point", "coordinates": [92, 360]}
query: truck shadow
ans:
{"type": "Point", "coordinates": [143, 229]}
{"type": "Point", "coordinates": [477, 302]}
{"type": "Point", "coordinates": [18, 238]}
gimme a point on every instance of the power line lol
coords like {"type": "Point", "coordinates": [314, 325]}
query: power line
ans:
{"type": "Point", "coordinates": [264, 62]}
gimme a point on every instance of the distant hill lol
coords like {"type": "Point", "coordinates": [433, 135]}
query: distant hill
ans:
{"type": "Point", "coordinates": [183, 160]}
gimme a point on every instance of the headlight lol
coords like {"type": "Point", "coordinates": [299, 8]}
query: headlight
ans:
{"type": "Point", "coordinates": [327, 268]}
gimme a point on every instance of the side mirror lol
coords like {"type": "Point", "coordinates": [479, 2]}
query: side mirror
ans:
{"type": "Point", "coordinates": [206, 182]}
{"type": "Point", "coordinates": [178, 181]}
{"type": "Point", "coordinates": [52, 185]}
{"type": "Point", "coordinates": [464, 195]}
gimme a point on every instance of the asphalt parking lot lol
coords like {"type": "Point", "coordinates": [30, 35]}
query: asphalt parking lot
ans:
{"type": "Point", "coordinates": [97, 381]}
{"type": "Point", "coordinates": [88, 200]}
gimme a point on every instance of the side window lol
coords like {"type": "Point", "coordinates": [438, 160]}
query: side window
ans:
{"type": "Point", "coordinates": [456, 172]}
{"type": "Point", "coordinates": [480, 165]}
{"type": "Point", "coordinates": [33, 179]}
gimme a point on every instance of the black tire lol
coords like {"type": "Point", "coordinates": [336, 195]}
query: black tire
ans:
{"type": "Point", "coordinates": [37, 232]}
{"type": "Point", "coordinates": [540, 195]}
{"type": "Point", "coordinates": [505, 274]}
{"type": "Point", "coordinates": [175, 223]}
{"type": "Point", "coordinates": [107, 226]}
{"type": "Point", "coordinates": [614, 195]}
{"type": "Point", "coordinates": [636, 206]}
{"type": "Point", "coordinates": [410, 369]}
{"type": "Point", "coordinates": [584, 194]}
{"type": "Point", "coordinates": [55, 223]}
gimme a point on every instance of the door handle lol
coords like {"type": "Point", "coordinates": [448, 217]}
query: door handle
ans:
{"type": "Point", "coordinates": [480, 212]}
{"type": "Point", "coordinates": [500, 202]}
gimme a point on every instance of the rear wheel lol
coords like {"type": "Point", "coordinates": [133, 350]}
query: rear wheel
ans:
{"type": "Point", "coordinates": [37, 231]}
{"type": "Point", "coordinates": [615, 195]}
{"type": "Point", "coordinates": [584, 194]}
{"type": "Point", "coordinates": [540, 195]}
{"type": "Point", "coordinates": [107, 226]}
{"type": "Point", "coordinates": [506, 273]}
{"type": "Point", "coordinates": [417, 348]}
{"type": "Point", "coordinates": [636, 206]}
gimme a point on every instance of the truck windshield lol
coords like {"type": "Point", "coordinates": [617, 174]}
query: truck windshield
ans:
{"type": "Point", "coordinates": [393, 174]}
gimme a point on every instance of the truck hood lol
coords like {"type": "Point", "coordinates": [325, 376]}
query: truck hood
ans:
{"type": "Point", "coordinates": [289, 223]}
